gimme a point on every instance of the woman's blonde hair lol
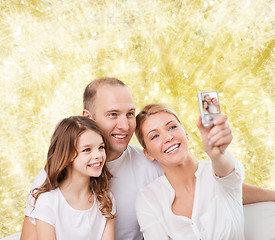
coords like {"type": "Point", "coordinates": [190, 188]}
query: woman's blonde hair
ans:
{"type": "Point", "coordinates": [145, 113]}
{"type": "Point", "coordinates": [63, 150]}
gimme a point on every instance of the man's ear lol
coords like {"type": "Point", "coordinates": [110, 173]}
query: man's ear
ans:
{"type": "Point", "coordinates": [147, 155]}
{"type": "Point", "coordinates": [87, 114]}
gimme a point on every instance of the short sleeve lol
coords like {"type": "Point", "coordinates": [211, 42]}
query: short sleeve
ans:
{"type": "Point", "coordinates": [38, 181]}
{"type": "Point", "coordinates": [44, 209]}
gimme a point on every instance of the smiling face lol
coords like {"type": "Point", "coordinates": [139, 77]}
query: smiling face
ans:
{"type": "Point", "coordinates": [165, 139]}
{"type": "Point", "coordinates": [114, 112]}
{"type": "Point", "coordinates": [207, 98]}
{"type": "Point", "coordinates": [205, 104]}
{"type": "Point", "coordinates": [91, 155]}
{"type": "Point", "coordinates": [215, 101]}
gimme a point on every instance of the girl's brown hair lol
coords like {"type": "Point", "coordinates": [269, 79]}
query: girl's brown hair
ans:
{"type": "Point", "coordinates": [146, 112]}
{"type": "Point", "coordinates": [63, 150]}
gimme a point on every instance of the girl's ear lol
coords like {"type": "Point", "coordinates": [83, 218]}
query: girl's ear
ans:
{"type": "Point", "coordinates": [147, 155]}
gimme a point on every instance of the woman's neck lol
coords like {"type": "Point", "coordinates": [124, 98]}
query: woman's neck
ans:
{"type": "Point", "coordinates": [183, 174]}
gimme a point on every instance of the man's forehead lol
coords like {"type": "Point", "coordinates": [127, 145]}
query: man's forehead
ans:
{"type": "Point", "coordinates": [114, 98]}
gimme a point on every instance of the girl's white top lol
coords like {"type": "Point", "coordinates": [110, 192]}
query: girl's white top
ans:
{"type": "Point", "coordinates": [69, 223]}
{"type": "Point", "coordinates": [217, 209]}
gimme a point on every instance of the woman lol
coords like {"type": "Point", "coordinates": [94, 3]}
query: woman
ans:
{"type": "Point", "coordinates": [192, 200]}
{"type": "Point", "coordinates": [75, 202]}
{"type": "Point", "coordinates": [216, 107]}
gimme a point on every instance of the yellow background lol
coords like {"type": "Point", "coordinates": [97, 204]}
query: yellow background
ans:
{"type": "Point", "coordinates": [165, 51]}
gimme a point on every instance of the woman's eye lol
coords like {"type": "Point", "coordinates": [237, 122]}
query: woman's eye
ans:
{"type": "Point", "coordinates": [154, 137]}
{"type": "Point", "coordinates": [173, 127]}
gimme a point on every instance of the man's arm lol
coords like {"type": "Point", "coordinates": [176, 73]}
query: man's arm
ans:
{"type": "Point", "coordinates": [253, 194]}
{"type": "Point", "coordinates": [28, 230]}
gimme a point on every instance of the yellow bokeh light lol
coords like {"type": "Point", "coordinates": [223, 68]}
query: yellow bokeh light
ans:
{"type": "Point", "coordinates": [165, 51]}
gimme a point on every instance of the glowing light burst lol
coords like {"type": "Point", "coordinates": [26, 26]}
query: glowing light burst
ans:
{"type": "Point", "coordinates": [165, 51]}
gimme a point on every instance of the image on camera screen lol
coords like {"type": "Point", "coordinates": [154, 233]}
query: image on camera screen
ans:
{"type": "Point", "coordinates": [210, 102]}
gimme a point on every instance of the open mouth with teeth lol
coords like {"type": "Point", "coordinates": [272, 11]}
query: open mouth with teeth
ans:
{"type": "Point", "coordinates": [95, 165]}
{"type": "Point", "coordinates": [172, 148]}
{"type": "Point", "coordinates": [120, 136]}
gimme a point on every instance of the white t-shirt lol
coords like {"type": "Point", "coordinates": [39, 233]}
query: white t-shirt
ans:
{"type": "Point", "coordinates": [217, 210]}
{"type": "Point", "coordinates": [131, 171]}
{"type": "Point", "coordinates": [69, 223]}
{"type": "Point", "coordinates": [38, 181]}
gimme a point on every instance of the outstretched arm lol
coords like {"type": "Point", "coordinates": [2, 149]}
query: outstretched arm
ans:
{"type": "Point", "coordinates": [253, 194]}
{"type": "Point", "coordinates": [215, 141]}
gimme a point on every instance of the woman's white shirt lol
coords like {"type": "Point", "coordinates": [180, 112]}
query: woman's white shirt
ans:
{"type": "Point", "coordinates": [217, 209]}
{"type": "Point", "coordinates": [69, 223]}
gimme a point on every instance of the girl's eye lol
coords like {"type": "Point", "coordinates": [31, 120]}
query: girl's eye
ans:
{"type": "Point", "coordinates": [102, 147]}
{"type": "Point", "coordinates": [87, 150]}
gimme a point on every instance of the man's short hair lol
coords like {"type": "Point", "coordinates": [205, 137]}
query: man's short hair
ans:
{"type": "Point", "coordinates": [206, 96]}
{"type": "Point", "coordinates": [91, 89]}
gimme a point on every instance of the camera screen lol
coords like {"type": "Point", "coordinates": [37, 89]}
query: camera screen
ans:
{"type": "Point", "coordinates": [210, 102]}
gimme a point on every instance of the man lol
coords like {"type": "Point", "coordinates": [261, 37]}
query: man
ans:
{"type": "Point", "coordinates": [110, 103]}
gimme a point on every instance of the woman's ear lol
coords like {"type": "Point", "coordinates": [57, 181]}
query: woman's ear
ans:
{"type": "Point", "coordinates": [187, 136]}
{"type": "Point", "coordinates": [147, 155]}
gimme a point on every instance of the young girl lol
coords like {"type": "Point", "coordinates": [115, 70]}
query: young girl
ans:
{"type": "Point", "coordinates": [205, 107]}
{"type": "Point", "coordinates": [192, 200]}
{"type": "Point", "coordinates": [75, 202]}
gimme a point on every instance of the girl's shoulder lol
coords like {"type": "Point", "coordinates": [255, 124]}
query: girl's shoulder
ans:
{"type": "Point", "coordinates": [49, 196]}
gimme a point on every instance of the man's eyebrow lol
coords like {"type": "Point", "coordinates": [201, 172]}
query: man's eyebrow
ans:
{"type": "Point", "coordinates": [115, 110]}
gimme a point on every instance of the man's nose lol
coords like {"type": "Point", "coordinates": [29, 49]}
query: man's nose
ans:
{"type": "Point", "coordinates": [123, 123]}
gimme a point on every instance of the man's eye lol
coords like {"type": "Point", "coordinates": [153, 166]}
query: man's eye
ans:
{"type": "Point", "coordinates": [130, 114]}
{"type": "Point", "coordinates": [112, 114]}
